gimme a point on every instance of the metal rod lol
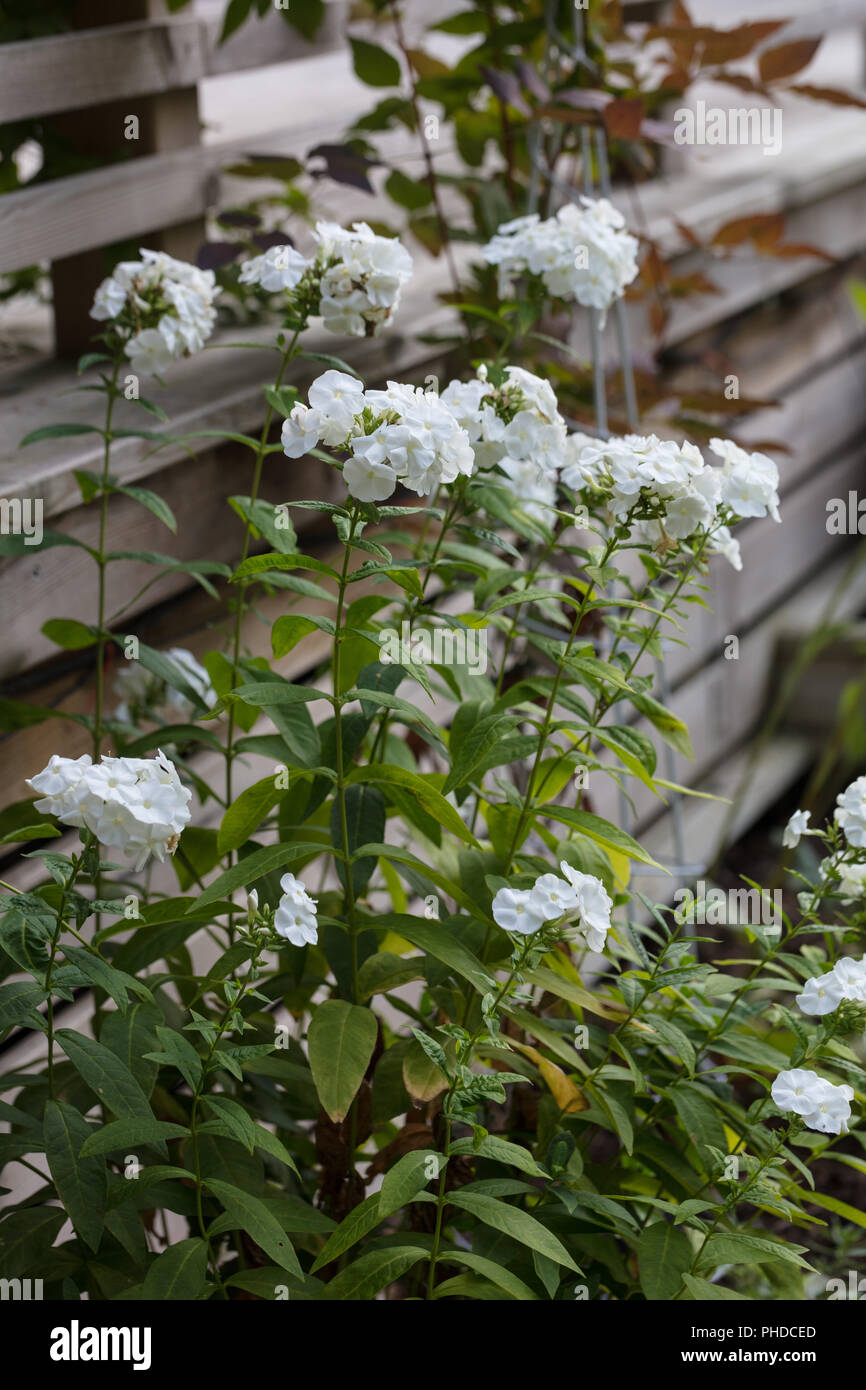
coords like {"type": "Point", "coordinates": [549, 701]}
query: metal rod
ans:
{"type": "Point", "coordinates": [596, 338]}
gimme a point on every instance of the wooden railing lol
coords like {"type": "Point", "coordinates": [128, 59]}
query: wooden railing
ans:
{"type": "Point", "coordinates": [126, 91]}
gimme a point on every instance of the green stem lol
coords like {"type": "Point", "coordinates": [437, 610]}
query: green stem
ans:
{"type": "Point", "coordinates": [525, 947]}
{"type": "Point", "coordinates": [340, 790]}
{"type": "Point", "coordinates": [548, 716]}
{"type": "Point", "coordinates": [193, 1119]}
{"type": "Point", "coordinates": [112, 394]}
{"type": "Point", "coordinates": [240, 602]}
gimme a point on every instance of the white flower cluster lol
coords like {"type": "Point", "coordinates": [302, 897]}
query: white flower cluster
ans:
{"type": "Point", "coordinates": [143, 693]}
{"type": "Point", "coordinates": [851, 813]}
{"type": "Point", "coordinates": [355, 279]}
{"type": "Point", "coordinates": [582, 253]}
{"type": "Point", "coordinates": [136, 805]}
{"type": "Point", "coordinates": [824, 993]}
{"type": "Point", "coordinates": [516, 427]}
{"type": "Point", "coordinates": [578, 895]}
{"type": "Point", "coordinates": [823, 1106]}
{"type": "Point", "coordinates": [295, 917]}
{"type": "Point", "coordinates": [852, 882]}
{"type": "Point", "coordinates": [161, 308]}
{"type": "Point", "coordinates": [670, 485]}
{"type": "Point", "coordinates": [402, 435]}
{"type": "Point", "coordinates": [278, 268]}
{"type": "Point", "coordinates": [362, 278]}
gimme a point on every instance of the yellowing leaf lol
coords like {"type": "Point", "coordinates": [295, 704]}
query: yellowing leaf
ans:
{"type": "Point", "coordinates": [569, 1099]}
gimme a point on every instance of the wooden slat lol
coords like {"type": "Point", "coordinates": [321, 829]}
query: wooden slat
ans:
{"type": "Point", "coordinates": [724, 701]}
{"type": "Point", "coordinates": [66, 72]}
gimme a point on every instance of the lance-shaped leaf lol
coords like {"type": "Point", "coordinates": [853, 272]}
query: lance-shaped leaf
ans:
{"type": "Point", "coordinates": [341, 1041]}
{"type": "Point", "coordinates": [80, 1180]}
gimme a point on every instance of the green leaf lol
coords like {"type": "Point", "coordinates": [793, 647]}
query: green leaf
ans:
{"type": "Point", "coordinates": [365, 822]}
{"type": "Point", "coordinates": [409, 193]}
{"type": "Point", "coordinates": [237, 11]}
{"type": "Point", "coordinates": [57, 432]}
{"type": "Point", "coordinates": [104, 976]}
{"type": "Point", "coordinates": [503, 1278]}
{"type": "Point", "coordinates": [375, 66]}
{"type": "Point", "coordinates": [472, 750]}
{"type": "Point", "coordinates": [604, 832]}
{"type": "Point", "coordinates": [501, 1151]}
{"type": "Point", "coordinates": [276, 1148]}
{"type": "Point", "coordinates": [633, 751]}
{"type": "Point", "coordinates": [291, 629]}
{"type": "Point", "coordinates": [69, 633]}
{"type": "Point", "coordinates": [433, 940]}
{"type": "Point", "coordinates": [407, 713]}
{"type": "Point", "coordinates": [246, 814]}
{"type": "Point", "coordinates": [422, 1077]}
{"type": "Point", "coordinates": [706, 1292]}
{"type": "Point", "coordinates": [432, 800]}
{"type": "Point", "coordinates": [252, 1216]}
{"type": "Point", "coordinates": [150, 500]}
{"type": "Point", "coordinates": [464, 22]}
{"type": "Point", "coordinates": [672, 729]}
{"type": "Point", "coordinates": [409, 1175]}
{"type": "Point", "coordinates": [26, 1238]}
{"type": "Point", "coordinates": [341, 1040]}
{"type": "Point", "coordinates": [513, 1222]}
{"type": "Point", "coordinates": [383, 972]}
{"type": "Point", "coordinates": [253, 867]}
{"type": "Point", "coordinates": [664, 1254]}
{"type": "Point", "coordinates": [360, 1221]}
{"type": "Point", "coordinates": [306, 18]}
{"type": "Point", "coordinates": [125, 1134]}
{"type": "Point", "coordinates": [179, 1273]}
{"type": "Point", "coordinates": [268, 521]}
{"type": "Point", "coordinates": [235, 1120]}
{"type": "Point", "coordinates": [839, 1208]}
{"type": "Point", "coordinates": [16, 714]}
{"type": "Point", "coordinates": [80, 1180]}
{"type": "Point", "coordinates": [364, 1277]}
{"type": "Point", "coordinates": [260, 564]}
{"type": "Point", "coordinates": [44, 830]}
{"type": "Point", "coordinates": [108, 1077]}
{"type": "Point", "coordinates": [16, 544]}
{"type": "Point", "coordinates": [699, 1118]}
{"type": "Point", "coordinates": [742, 1248]}
{"type": "Point", "coordinates": [17, 1000]}
{"type": "Point", "coordinates": [178, 1051]}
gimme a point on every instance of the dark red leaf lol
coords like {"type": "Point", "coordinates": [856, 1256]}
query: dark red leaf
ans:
{"type": "Point", "coordinates": [215, 254]}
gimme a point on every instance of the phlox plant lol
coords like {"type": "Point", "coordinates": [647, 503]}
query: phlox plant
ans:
{"type": "Point", "coordinates": [405, 1027]}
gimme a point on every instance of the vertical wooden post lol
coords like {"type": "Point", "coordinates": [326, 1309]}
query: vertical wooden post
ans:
{"type": "Point", "coordinates": [166, 121]}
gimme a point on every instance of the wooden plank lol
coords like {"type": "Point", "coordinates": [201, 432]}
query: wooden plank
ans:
{"type": "Point", "coordinates": [65, 72]}
{"type": "Point", "coordinates": [67, 215]}
{"type": "Point", "coordinates": [723, 701]}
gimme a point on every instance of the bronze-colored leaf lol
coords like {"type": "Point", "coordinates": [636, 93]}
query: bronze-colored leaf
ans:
{"type": "Point", "coordinates": [833, 95]}
{"type": "Point", "coordinates": [623, 117]}
{"type": "Point", "coordinates": [787, 58]}
{"type": "Point", "coordinates": [763, 228]}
